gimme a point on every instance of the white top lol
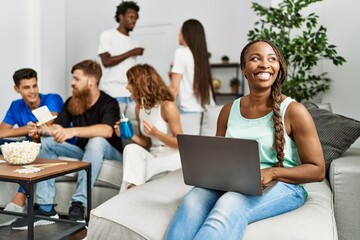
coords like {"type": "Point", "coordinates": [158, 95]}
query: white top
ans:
{"type": "Point", "coordinates": [153, 116]}
{"type": "Point", "coordinates": [114, 79]}
{"type": "Point", "coordinates": [184, 64]}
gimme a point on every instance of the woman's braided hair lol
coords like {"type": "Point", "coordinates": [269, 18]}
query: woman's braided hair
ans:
{"type": "Point", "coordinates": [279, 141]}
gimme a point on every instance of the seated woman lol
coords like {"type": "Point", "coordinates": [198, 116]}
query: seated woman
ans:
{"type": "Point", "coordinates": [283, 127]}
{"type": "Point", "coordinates": [155, 149]}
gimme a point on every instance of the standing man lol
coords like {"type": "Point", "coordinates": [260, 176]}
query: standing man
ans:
{"type": "Point", "coordinates": [92, 115]}
{"type": "Point", "coordinates": [19, 113]}
{"type": "Point", "coordinates": [118, 52]}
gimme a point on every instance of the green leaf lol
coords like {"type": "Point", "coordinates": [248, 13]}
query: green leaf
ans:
{"type": "Point", "coordinates": [302, 42]}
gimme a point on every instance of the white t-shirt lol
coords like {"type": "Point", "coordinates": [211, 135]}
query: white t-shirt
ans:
{"type": "Point", "coordinates": [114, 79]}
{"type": "Point", "coordinates": [184, 64]}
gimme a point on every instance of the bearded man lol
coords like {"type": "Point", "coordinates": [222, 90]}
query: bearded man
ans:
{"type": "Point", "coordinates": [88, 115]}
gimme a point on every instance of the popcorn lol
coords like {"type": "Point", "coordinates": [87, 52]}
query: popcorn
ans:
{"type": "Point", "coordinates": [20, 152]}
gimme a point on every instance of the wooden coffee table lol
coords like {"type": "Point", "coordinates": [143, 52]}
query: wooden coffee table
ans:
{"type": "Point", "coordinates": [8, 174]}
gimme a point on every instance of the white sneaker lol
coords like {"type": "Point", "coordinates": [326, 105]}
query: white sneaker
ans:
{"type": "Point", "coordinates": [22, 223]}
{"type": "Point", "coordinates": [5, 219]}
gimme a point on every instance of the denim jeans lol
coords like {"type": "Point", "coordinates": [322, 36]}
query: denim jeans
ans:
{"type": "Point", "coordinates": [125, 100]}
{"type": "Point", "coordinates": [96, 150]}
{"type": "Point", "coordinates": [210, 214]}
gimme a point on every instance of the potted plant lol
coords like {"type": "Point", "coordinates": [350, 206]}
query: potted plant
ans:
{"type": "Point", "coordinates": [302, 51]}
{"type": "Point", "coordinates": [234, 85]}
{"type": "Point", "coordinates": [225, 59]}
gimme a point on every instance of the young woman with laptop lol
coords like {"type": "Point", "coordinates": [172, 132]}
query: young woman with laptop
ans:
{"type": "Point", "coordinates": [284, 129]}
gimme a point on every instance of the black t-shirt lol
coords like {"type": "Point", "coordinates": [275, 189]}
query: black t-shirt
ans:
{"type": "Point", "coordinates": [105, 111]}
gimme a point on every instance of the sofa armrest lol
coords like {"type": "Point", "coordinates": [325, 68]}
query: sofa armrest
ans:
{"type": "Point", "coordinates": [345, 181]}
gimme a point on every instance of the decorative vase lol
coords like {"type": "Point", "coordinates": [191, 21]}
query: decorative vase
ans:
{"type": "Point", "coordinates": [234, 88]}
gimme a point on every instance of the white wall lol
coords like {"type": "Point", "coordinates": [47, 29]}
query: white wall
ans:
{"type": "Point", "coordinates": [340, 17]}
{"type": "Point", "coordinates": [226, 25]}
{"type": "Point", "coordinates": [33, 35]}
{"type": "Point", "coordinates": [53, 47]}
{"type": "Point", "coordinates": [14, 50]}
{"type": "Point", "coordinates": [52, 36]}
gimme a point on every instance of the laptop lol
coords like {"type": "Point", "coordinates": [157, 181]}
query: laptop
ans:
{"type": "Point", "coordinates": [226, 164]}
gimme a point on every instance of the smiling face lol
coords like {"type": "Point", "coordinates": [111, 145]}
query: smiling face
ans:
{"type": "Point", "coordinates": [29, 91]}
{"type": "Point", "coordinates": [261, 65]}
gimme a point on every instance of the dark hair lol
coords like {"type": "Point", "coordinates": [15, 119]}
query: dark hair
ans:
{"type": "Point", "coordinates": [148, 85]}
{"type": "Point", "coordinates": [194, 35]}
{"type": "Point", "coordinates": [279, 141]}
{"type": "Point", "coordinates": [90, 68]}
{"type": "Point", "coordinates": [24, 73]}
{"type": "Point", "coordinates": [123, 7]}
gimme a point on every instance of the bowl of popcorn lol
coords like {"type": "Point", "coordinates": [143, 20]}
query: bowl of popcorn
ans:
{"type": "Point", "coordinates": [18, 153]}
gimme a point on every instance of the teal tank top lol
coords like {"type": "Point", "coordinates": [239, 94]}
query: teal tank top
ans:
{"type": "Point", "coordinates": [262, 130]}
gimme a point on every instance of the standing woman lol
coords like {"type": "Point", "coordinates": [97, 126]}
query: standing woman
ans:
{"type": "Point", "coordinates": [190, 75]}
{"type": "Point", "coordinates": [283, 127]}
{"type": "Point", "coordinates": [155, 149]}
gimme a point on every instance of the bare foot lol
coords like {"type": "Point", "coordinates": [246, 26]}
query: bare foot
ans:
{"type": "Point", "coordinates": [131, 185]}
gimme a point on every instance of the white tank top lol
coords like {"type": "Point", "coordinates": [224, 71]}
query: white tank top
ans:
{"type": "Point", "coordinates": [153, 116]}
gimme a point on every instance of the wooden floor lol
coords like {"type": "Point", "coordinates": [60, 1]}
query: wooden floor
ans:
{"type": "Point", "coordinates": [78, 236]}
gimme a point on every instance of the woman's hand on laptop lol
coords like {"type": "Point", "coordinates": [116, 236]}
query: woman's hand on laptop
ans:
{"type": "Point", "coordinates": [267, 175]}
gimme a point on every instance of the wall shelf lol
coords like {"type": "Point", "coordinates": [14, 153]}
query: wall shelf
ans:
{"type": "Point", "coordinates": [222, 97]}
{"type": "Point", "coordinates": [225, 65]}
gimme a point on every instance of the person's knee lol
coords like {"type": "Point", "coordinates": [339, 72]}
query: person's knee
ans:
{"type": "Point", "coordinates": [97, 143]}
{"type": "Point", "coordinates": [47, 142]}
{"type": "Point", "coordinates": [131, 148]}
{"type": "Point", "coordinates": [95, 150]}
{"type": "Point", "coordinates": [232, 201]}
{"type": "Point", "coordinates": [196, 195]}
{"type": "Point", "coordinates": [47, 147]}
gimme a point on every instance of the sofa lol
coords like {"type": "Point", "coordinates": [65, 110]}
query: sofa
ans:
{"type": "Point", "coordinates": [144, 212]}
{"type": "Point", "coordinates": [329, 213]}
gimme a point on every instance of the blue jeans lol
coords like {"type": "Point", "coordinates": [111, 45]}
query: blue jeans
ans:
{"type": "Point", "coordinates": [125, 100]}
{"type": "Point", "coordinates": [210, 214]}
{"type": "Point", "coordinates": [96, 150]}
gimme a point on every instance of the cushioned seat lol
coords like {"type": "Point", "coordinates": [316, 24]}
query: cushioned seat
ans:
{"type": "Point", "coordinates": [107, 185]}
{"type": "Point", "coordinates": [148, 216]}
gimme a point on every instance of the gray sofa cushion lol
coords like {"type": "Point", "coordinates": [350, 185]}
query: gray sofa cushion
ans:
{"type": "Point", "coordinates": [139, 213]}
{"type": "Point", "coordinates": [336, 132]}
{"type": "Point", "coordinates": [209, 121]}
{"type": "Point", "coordinates": [110, 174]}
{"type": "Point", "coordinates": [145, 212]}
{"type": "Point", "coordinates": [7, 192]}
{"type": "Point", "coordinates": [190, 123]}
{"type": "Point", "coordinates": [344, 179]}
